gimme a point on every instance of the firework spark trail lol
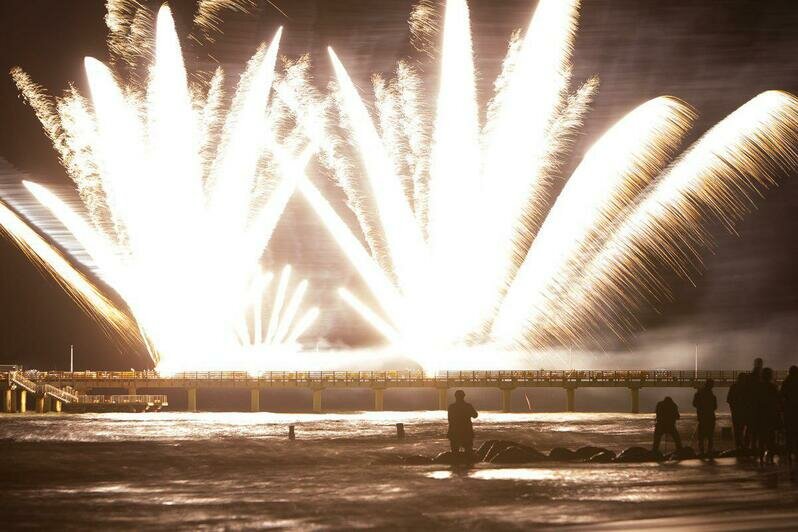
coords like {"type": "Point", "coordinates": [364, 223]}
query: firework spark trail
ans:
{"type": "Point", "coordinates": [616, 169]}
{"type": "Point", "coordinates": [715, 180]}
{"type": "Point", "coordinates": [425, 24]}
{"type": "Point", "coordinates": [412, 109]}
{"type": "Point", "coordinates": [311, 110]}
{"type": "Point", "coordinates": [404, 241]}
{"type": "Point", "coordinates": [235, 172]}
{"type": "Point", "coordinates": [461, 255]}
{"type": "Point", "coordinates": [189, 216]}
{"type": "Point", "coordinates": [515, 132]}
{"type": "Point", "coordinates": [208, 17]}
{"type": "Point", "coordinates": [536, 281]}
{"type": "Point", "coordinates": [259, 286]}
{"type": "Point", "coordinates": [79, 135]}
{"type": "Point", "coordinates": [386, 294]}
{"type": "Point", "coordinates": [291, 310]}
{"type": "Point", "coordinates": [313, 113]}
{"type": "Point", "coordinates": [83, 291]}
{"type": "Point", "coordinates": [455, 171]}
{"type": "Point", "coordinates": [454, 185]}
{"type": "Point", "coordinates": [72, 131]}
{"type": "Point", "coordinates": [130, 34]}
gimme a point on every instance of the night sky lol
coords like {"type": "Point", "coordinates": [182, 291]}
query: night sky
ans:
{"type": "Point", "coordinates": [715, 54]}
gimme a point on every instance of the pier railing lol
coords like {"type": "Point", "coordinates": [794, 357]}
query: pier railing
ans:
{"type": "Point", "coordinates": [489, 378]}
{"type": "Point", "coordinates": [138, 399]}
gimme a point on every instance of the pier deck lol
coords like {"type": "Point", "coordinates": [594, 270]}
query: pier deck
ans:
{"type": "Point", "coordinates": [378, 381]}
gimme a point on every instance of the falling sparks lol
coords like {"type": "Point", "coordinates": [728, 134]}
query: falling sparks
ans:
{"type": "Point", "coordinates": [181, 195]}
{"type": "Point", "coordinates": [470, 258]}
{"type": "Point", "coordinates": [467, 251]}
{"type": "Point", "coordinates": [89, 296]}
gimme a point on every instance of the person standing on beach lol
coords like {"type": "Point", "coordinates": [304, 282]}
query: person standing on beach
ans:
{"type": "Point", "coordinates": [461, 431]}
{"type": "Point", "coordinates": [667, 414]}
{"type": "Point", "coordinates": [705, 404]}
{"type": "Point", "coordinates": [748, 394]}
{"type": "Point", "coordinates": [789, 401]}
{"type": "Point", "coordinates": [766, 416]}
{"type": "Point", "coordinates": [737, 407]}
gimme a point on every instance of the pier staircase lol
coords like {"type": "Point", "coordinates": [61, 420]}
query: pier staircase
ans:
{"type": "Point", "coordinates": [63, 395]}
{"type": "Point", "coordinates": [17, 379]}
{"type": "Point", "coordinates": [16, 384]}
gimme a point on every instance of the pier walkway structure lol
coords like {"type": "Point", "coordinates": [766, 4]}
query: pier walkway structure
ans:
{"type": "Point", "coordinates": [380, 381]}
{"type": "Point", "coordinates": [17, 384]}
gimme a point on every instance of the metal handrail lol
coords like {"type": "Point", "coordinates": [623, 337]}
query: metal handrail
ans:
{"type": "Point", "coordinates": [124, 399]}
{"type": "Point", "coordinates": [569, 377]}
{"type": "Point", "coordinates": [58, 393]}
{"type": "Point", "coordinates": [19, 379]}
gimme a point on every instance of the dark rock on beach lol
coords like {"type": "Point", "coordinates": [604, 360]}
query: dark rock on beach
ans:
{"type": "Point", "coordinates": [450, 458]}
{"type": "Point", "coordinates": [482, 452]}
{"type": "Point", "coordinates": [638, 455]}
{"type": "Point", "coordinates": [603, 457]}
{"type": "Point", "coordinates": [509, 452]}
{"type": "Point", "coordinates": [416, 460]}
{"type": "Point", "coordinates": [586, 453]}
{"type": "Point", "coordinates": [518, 455]}
{"type": "Point", "coordinates": [561, 454]}
{"type": "Point", "coordinates": [491, 448]}
{"type": "Point", "coordinates": [730, 453]}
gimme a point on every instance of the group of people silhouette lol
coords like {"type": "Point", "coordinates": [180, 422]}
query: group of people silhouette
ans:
{"type": "Point", "coordinates": [759, 411]}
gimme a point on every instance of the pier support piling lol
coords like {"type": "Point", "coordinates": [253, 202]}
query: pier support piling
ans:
{"type": "Point", "coordinates": [254, 400]}
{"type": "Point", "coordinates": [442, 399]}
{"type": "Point", "coordinates": [379, 399]}
{"type": "Point", "coordinates": [22, 401]}
{"type": "Point", "coordinates": [192, 400]}
{"type": "Point", "coordinates": [57, 405]}
{"type": "Point", "coordinates": [40, 404]}
{"type": "Point", "coordinates": [570, 399]}
{"type": "Point", "coordinates": [634, 394]}
{"type": "Point", "coordinates": [7, 401]}
{"type": "Point", "coordinates": [131, 390]}
{"type": "Point", "coordinates": [317, 401]}
{"type": "Point", "coordinates": [506, 398]}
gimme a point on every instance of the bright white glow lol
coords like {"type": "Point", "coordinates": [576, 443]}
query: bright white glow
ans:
{"type": "Point", "coordinates": [464, 259]}
{"type": "Point", "coordinates": [180, 215]}
{"type": "Point", "coordinates": [463, 253]}
{"type": "Point", "coordinates": [622, 163]}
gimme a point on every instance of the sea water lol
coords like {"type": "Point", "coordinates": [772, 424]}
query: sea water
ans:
{"type": "Point", "coordinates": [240, 470]}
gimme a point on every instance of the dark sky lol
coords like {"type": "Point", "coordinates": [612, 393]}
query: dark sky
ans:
{"type": "Point", "coordinates": [715, 54]}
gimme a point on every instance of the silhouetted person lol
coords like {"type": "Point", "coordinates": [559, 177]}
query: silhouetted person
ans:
{"type": "Point", "coordinates": [705, 404]}
{"type": "Point", "coordinates": [461, 431]}
{"type": "Point", "coordinates": [749, 393]}
{"type": "Point", "coordinates": [667, 414]}
{"type": "Point", "coordinates": [789, 401]}
{"type": "Point", "coordinates": [759, 365]}
{"type": "Point", "coordinates": [738, 409]}
{"type": "Point", "coordinates": [766, 418]}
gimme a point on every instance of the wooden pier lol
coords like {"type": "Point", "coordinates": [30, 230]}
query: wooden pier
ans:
{"type": "Point", "coordinates": [55, 384]}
